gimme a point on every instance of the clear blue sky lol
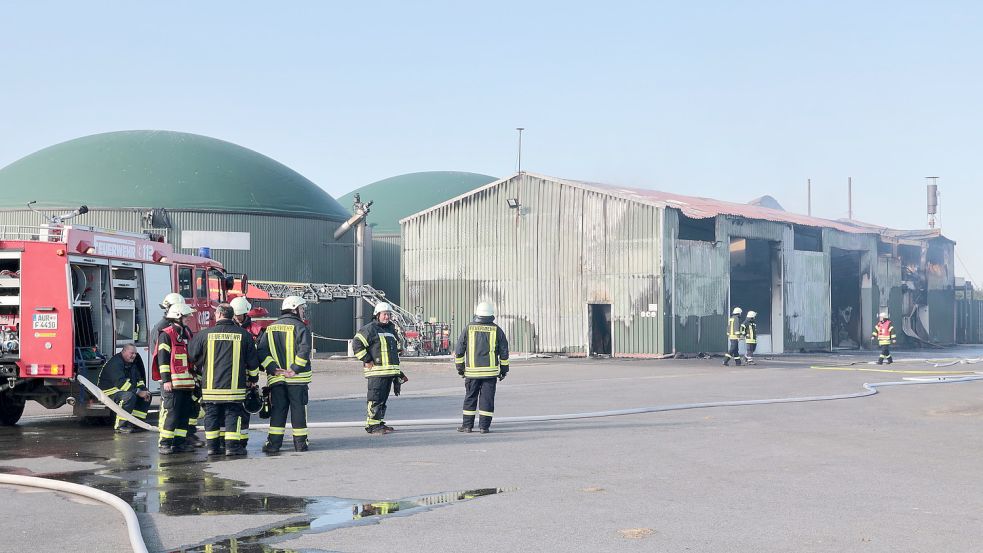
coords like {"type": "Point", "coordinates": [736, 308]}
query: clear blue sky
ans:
{"type": "Point", "coordinates": [722, 99]}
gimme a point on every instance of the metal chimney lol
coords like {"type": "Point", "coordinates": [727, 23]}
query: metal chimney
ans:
{"type": "Point", "coordinates": [933, 201]}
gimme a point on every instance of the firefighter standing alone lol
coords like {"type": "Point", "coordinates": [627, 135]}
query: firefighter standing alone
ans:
{"type": "Point", "coordinates": [285, 349]}
{"type": "Point", "coordinates": [733, 337]}
{"type": "Point", "coordinates": [177, 381]}
{"type": "Point", "coordinates": [377, 346]}
{"type": "Point", "coordinates": [226, 357]}
{"type": "Point", "coordinates": [482, 359]}
{"type": "Point", "coordinates": [885, 336]}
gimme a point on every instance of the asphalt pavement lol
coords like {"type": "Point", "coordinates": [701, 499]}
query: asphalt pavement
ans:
{"type": "Point", "coordinates": [897, 471]}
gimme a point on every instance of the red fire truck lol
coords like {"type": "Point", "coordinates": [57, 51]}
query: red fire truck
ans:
{"type": "Point", "coordinates": [72, 295]}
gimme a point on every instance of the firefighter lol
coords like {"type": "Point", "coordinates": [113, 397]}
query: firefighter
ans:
{"type": "Point", "coordinates": [377, 346]}
{"type": "Point", "coordinates": [226, 357]}
{"type": "Point", "coordinates": [285, 349]}
{"type": "Point", "coordinates": [177, 381]}
{"type": "Point", "coordinates": [240, 308]}
{"type": "Point", "coordinates": [177, 299]}
{"type": "Point", "coordinates": [733, 337]}
{"type": "Point", "coordinates": [750, 331]}
{"type": "Point", "coordinates": [170, 299]}
{"type": "Point", "coordinates": [123, 379]}
{"type": "Point", "coordinates": [482, 359]}
{"type": "Point", "coordinates": [885, 336]}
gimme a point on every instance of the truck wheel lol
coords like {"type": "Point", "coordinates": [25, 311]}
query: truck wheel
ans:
{"type": "Point", "coordinates": [11, 408]}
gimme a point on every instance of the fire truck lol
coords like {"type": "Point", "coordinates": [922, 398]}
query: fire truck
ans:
{"type": "Point", "coordinates": [73, 295]}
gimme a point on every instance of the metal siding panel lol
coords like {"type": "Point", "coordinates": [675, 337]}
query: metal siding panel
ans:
{"type": "Point", "coordinates": [700, 296]}
{"type": "Point", "coordinates": [807, 315]}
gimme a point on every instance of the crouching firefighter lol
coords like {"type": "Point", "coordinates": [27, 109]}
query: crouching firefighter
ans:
{"type": "Point", "coordinates": [226, 357]}
{"type": "Point", "coordinates": [123, 380]}
{"type": "Point", "coordinates": [285, 348]}
{"type": "Point", "coordinates": [885, 336]}
{"type": "Point", "coordinates": [377, 346]}
{"type": "Point", "coordinates": [177, 387]}
{"type": "Point", "coordinates": [482, 359]}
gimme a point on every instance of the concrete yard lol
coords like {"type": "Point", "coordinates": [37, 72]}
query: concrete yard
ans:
{"type": "Point", "coordinates": [897, 471]}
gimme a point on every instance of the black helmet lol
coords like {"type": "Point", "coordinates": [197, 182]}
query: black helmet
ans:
{"type": "Point", "coordinates": [264, 412]}
{"type": "Point", "coordinates": [253, 402]}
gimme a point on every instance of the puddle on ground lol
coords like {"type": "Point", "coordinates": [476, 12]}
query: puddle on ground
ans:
{"type": "Point", "coordinates": [329, 513]}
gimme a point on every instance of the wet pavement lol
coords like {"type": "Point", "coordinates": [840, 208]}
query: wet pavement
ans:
{"type": "Point", "coordinates": [610, 482]}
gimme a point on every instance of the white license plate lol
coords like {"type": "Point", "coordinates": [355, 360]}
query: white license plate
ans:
{"type": "Point", "coordinates": [45, 321]}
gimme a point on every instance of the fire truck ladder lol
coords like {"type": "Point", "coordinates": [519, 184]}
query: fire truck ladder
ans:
{"type": "Point", "coordinates": [419, 337]}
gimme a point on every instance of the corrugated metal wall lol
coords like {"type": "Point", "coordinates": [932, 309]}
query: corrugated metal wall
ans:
{"type": "Point", "coordinates": [386, 270]}
{"type": "Point", "coordinates": [542, 264]}
{"type": "Point", "coordinates": [807, 316]}
{"type": "Point", "coordinates": [282, 248]}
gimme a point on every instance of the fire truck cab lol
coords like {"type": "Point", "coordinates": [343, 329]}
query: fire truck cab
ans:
{"type": "Point", "coordinates": [72, 296]}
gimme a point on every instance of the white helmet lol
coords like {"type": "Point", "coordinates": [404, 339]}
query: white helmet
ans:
{"type": "Point", "coordinates": [380, 307]}
{"type": "Point", "coordinates": [240, 305]}
{"type": "Point", "coordinates": [179, 310]}
{"type": "Point", "coordinates": [737, 311]}
{"type": "Point", "coordinates": [484, 309]}
{"type": "Point", "coordinates": [883, 316]}
{"type": "Point", "coordinates": [292, 302]}
{"type": "Point", "coordinates": [171, 299]}
{"type": "Point", "coordinates": [752, 314]}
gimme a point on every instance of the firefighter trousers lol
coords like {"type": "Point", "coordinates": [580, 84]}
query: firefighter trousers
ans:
{"type": "Point", "coordinates": [750, 350]}
{"type": "Point", "coordinates": [284, 398]}
{"type": "Point", "coordinates": [732, 352]}
{"type": "Point", "coordinates": [885, 354]}
{"type": "Point", "coordinates": [479, 399]}
{"type": "Point", "coordinates": [176, 407]}
{"type": "Point", "coordinates": [132, 404]}
{"type": "Point", "coordinates": [378, 394]}
{"type": "Point", "coordinates": [223, 414]}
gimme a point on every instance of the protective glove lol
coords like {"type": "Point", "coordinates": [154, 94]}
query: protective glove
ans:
{"type": "Point", "coordinates": [460, 370]}
{"type": "Point", "coordinates": [501, 377]}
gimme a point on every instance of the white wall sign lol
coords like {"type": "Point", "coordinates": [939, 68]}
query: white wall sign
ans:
{"type": "Point", "coordinates": [215, 240]}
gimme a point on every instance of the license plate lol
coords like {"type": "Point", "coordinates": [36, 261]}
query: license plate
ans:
{"type": "Point", "coordinates": [45, 321]}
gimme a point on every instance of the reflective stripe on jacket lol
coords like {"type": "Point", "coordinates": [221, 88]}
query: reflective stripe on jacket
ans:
{"type": "Point", "coordinates": [378, 343]}
{"type": "Point", "coordinates": [750, 332]}
{"type": "Point", "coordinates": [734, 328]}
{"type": "Point", "coordinates": [118, 376]}
{"type": "Point", "coordinates": [171, 359]}
{"type": "Point", "coordinates": [287, 344]}
{"type": "Point", "coordinates": [482, 349]}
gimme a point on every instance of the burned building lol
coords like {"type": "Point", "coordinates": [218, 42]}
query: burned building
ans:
{"type": "Point", "coordinates": [583, 268]}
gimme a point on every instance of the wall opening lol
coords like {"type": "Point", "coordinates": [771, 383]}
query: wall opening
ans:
{"type": "Point", "coordinates": [807, 239]}
{"type": "Point", "coordinates": [599, 319]}
{"type": "Point", "coordinates": [845, 298]}
{"type": "Point", "coordinates": [704, 230]}
{"type": "Point", "coordinates": [755, 278]}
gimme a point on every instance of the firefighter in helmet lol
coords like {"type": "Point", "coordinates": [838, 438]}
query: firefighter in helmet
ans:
{"type": "Point", "coordinates": [241, 308]}
{"type": "Point", "coordinates": [226, 357]}
{"type": "Point", "coordinates": [285, 349]}
{"type": "Point", "coordinates": [177, 381]}
{"type": "Point", "coordinates": [123, 380]}
{"type": "Point", "coordinates": [377, 346]}
{"type": "Point", "coordinates": [177, 299]}
{"type": "Point", "coordinates": [750, 331]}
{"type": "Point", "coordinates": [170, 299]}
{"type": "Point", "coordinates": [734, 334]}
{"type": "Point", "coordinates": [885, 336]}
{"type": "Point", "coordinates": [482, 359]}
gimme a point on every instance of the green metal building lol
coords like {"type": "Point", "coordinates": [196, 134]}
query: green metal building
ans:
{"type": "Point", "coordinates": [398, 197]}
{"type": "Point", "coordinates": [258, 216]}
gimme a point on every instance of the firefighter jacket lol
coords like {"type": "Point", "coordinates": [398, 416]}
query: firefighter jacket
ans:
{"type": "Point", "coordinates": [226, 359]}
{"type": "Point", "coordinates": [287, 344]}
{"type": "Point", "coordinates": [750, 331]}
{"type": "Point", "coordinates": [119, 376]}
{"type": "Point", "coordinates": [171, 358]}
{"type": "Point", "coordinates": [734, 328]}
{"type": "Point", "coordinates": [378, 344]}
{"type": "Point", "coordinates": [884, 333]}
{"type": "Point", "coordinates": [482, 350]}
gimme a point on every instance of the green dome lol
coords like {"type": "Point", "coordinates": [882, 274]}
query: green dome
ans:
{"type": "Point", "coordinates": [162, 169]}
{"type": "Point", "coordinates": [399, 197]}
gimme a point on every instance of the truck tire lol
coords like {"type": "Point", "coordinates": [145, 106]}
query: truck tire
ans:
{"type": "Point", "coordinates": [11, 408]}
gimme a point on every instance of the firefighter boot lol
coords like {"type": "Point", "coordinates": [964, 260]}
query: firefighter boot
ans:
{"type": "Point", "coordinates": [467, 424]}
{"type": "Point", "coordinates": [880, 360]}
{"type": "Point", "coordinates": [182, 446]}
{"type": "Point", "coordinates": [166, 446]}
{"type": "Point", "coordinates": [737, 361]}
{"type": "Point", "coordinates": [214, 447]}
{"type": "Point", "coordinates": [890, 360]}
{"type": "Point", "coordinates": [273, 443]}
{"type": "Point", "coordinates": [300, 443]}
{"type": "Point", "coordinates": [194, 440]}
{"type": "Point", "coordinates": [233, 448]}
{"type": "Point", "coordinates": [727, 361]}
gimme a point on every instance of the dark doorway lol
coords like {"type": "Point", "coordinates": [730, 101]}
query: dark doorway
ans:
{"type": "Point", "coordinates": [751, 278]}
{"type": "Point", "coordinates": [599, 319]}
{"type": "Point", "coordinates": [844, 273]}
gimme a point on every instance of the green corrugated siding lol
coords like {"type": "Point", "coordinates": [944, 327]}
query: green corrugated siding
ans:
{"type": "Point", "coordinates": [386, 270]}
{"type": "Point", "coordinates": [282, 248]}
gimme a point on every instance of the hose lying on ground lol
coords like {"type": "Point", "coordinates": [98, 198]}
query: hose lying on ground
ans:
{"type": "Point", "coordinates": [132, 524]}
